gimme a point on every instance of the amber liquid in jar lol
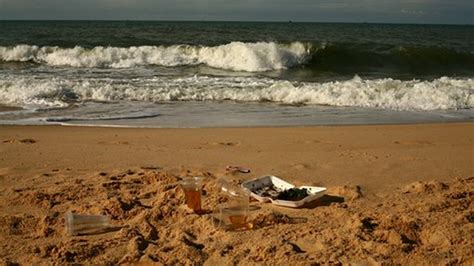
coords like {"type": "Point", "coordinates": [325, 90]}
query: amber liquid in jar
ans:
{"type": "Point", "coordinates": [193, 199]}
{"type": "Point", "coordinates": [238, 221]}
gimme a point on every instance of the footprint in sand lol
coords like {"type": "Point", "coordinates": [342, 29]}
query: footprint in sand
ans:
{"type": "Point", "coordinates": [300, 166]}
{"type": "Point", "coordinates": [151, 167]}
{"type": "Point", "coordinates": [410, 158]}
{"type": "Point", "coordinates": [414, 142]}
{"type": "Point", "coordinates": [314, 141]}
{"type": "Point", "coordinates": [114, 142]}
{"type": "Point", "coordinates": [24, 141]}
{"type": "Point", "coordinates": [18, 225]}
{"type": "Point", "coordinates": [27, 141]}
{"type": "Point", "coordinates": [230, 144]}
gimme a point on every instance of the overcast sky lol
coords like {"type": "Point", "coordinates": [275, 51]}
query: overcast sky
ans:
{"type": "Point", "coordinates": [391, 11]}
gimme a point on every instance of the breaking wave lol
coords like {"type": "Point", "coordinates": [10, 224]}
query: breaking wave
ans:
{"type": "Point", "coordinates": [255, 57]}
{"type": "Point", "coordinates": [439, 94]}
{"type": "Point", "coordinates": [237, 56]}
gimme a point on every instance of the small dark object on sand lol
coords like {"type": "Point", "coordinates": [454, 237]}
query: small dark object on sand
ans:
{"type": "Point", "coordinates": [28, 141]}
{"type": "Point", "coordinates": [293, 194]}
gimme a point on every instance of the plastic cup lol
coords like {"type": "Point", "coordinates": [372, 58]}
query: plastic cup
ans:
{"type": "Point", "coordinates": [234, 213]}
{"type": "Point", "coordinates": [192, 190]}
{"type": "Point", "coordinates": [233, 217]}
{"type": "Point", "coordinates": [79, 224]}
{"type": "Point", "coordinates": [236, 196]}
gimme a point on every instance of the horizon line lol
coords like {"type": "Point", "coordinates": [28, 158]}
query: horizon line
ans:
{"type": "Point", "coordinates": [243, 21]}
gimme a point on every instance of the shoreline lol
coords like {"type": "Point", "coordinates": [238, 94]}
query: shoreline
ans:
{"type": "Point", "coordinates": [8, 108]}
{"type": "Point", "coordinates": [342, 124]}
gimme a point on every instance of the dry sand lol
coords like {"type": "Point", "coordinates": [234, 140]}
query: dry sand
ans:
{"type": "Point", "coordinates": [397, 194]}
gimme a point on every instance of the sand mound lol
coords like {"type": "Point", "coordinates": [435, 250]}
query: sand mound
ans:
{"type": "Point", "coordinates": [347, 192]}
{"type": "Point", "coordinates": [426, 222]}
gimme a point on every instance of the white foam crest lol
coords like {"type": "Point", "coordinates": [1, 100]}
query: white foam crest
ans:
{"type": "Point", "coordinates": [238, 56]}
{"type": "Point", "coordinates": [439, 94]}
{"type": "Point", "coordinates": [32, 93]}
{"type": "Point", "coordinates": [254, 56]}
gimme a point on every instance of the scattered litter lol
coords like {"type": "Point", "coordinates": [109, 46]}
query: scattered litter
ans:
{"type": "Point", "coordinates": [192, 187]}
{"type": "Point", "coordinates": [230, 168]}
{"type": "Point", "coordinates": [78, 224]}
{"type": "Point", "coordinates": [280, 192]}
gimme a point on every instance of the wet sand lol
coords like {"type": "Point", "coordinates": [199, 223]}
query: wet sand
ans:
{"type": "Point", "coordinates": [6, 108]}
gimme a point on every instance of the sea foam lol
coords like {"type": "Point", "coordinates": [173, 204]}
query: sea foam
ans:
{"type": "Point", "coordinates": [439, 94]}
{"type": "Point", "coordinates": [237, 56]}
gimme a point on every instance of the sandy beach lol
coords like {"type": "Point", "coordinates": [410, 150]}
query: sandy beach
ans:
{"type": "Point", "coordinates": [396, 194]}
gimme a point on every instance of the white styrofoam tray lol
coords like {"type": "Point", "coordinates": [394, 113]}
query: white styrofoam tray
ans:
{"type": "Point", "coordinates": [267, 181]}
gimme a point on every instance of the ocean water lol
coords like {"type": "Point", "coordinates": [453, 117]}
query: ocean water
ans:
{"type": "Point", "coordinates": [200, 74]}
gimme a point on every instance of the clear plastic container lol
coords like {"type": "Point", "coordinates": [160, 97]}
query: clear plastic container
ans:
{"type": "Point", "coordinates": [252, 186]}
{"type": "Point", "coordinates": [233, 214]}
{"type": "Point", "coordinates": [192, 187]}
{"type": "Point", "coordinates": [79, 224]}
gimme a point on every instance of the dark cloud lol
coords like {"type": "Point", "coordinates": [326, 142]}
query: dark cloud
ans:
{"type": "Point", "coordinates": [404, 11]}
